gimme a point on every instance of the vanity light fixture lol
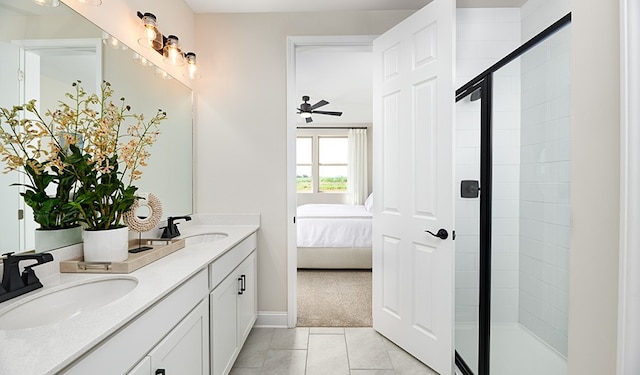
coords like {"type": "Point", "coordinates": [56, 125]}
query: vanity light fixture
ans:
{"type": "Point", "coordinates": [113, 42]}
{"type": "Point", "coordinates": [47, 3]}
{"type": "Point", "coordinates": [171, 51]}
{"type": "Point", "coordinates": [168, 47]}
{"type": "Point", "coordinates": [151, 37]}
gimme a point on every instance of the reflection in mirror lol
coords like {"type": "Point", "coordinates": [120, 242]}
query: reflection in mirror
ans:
{"type": "Point", "coordinates": [42, 52]}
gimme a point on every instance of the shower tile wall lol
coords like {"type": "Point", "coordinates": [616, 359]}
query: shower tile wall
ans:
{"type": "Point", "coordinates": [544, 190]}
{"type": "Point", "coordinates": [484, 37]}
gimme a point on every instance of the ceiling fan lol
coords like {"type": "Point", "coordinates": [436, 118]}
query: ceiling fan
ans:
{"type": "Point", "coordinates": [307, 109]}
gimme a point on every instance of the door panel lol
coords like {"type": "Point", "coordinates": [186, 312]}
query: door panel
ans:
{"type": "Point", "coordinates": [413, 181]}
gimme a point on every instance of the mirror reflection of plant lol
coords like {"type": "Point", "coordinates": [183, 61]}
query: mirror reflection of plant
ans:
{"type": "Point", "coordinates": [22, 150]}
{"type": "Point", "coordinates": [86, 150]}
{"type": "Point", "coordinates": [111, 155]}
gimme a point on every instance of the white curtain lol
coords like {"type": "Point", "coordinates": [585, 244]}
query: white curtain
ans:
{"type": "Point", "coordinates": [357, 177]}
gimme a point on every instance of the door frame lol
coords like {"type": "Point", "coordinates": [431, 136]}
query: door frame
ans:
{"type": "Point", "coordinates": [629, 262]}
{"type": "Point", "coordinates": [292, 102]}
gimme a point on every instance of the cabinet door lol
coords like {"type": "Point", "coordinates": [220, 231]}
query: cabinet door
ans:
{"type": "Point", "coordinates": [185, 350]}
{"type": "Point", "coordinates": [247, 301]}
{"type": "Point", "coordinates": [224, 331]}
{"type": "Point", "coordinates": [142, 368]}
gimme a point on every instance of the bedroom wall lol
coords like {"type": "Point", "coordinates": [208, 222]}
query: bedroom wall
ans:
{"type": "Point", "coordinates": [241, 136]}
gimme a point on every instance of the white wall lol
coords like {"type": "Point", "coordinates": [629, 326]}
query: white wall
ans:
{"type": "Point", "coordinates": [242, 123]}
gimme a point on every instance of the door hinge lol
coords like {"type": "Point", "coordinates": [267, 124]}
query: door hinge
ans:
{"type": "Point", "coordinates": [20, 75]}
{"type": "Point", "coordinates": [20, 214]}
{"type": "Point", "coordinates": [453, 235]}
{"type": "Point", "coordinates": [294, 219]}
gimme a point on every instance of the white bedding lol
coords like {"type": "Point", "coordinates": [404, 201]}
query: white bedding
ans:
{"type": "Point", "coordinates": [333, 225]}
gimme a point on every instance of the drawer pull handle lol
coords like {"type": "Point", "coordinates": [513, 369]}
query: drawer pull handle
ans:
{"type": "Point", "coordinates": [240, 288]}
{"type": "Point", "coordinates": [244, 282]}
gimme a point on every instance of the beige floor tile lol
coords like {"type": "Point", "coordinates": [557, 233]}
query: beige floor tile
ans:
{"type": "Point", "coordinates": [285, 362]}
{"type": "Point", "coordinates": [366, 349]}
{"type": "Point", "coordinates": [254, 351]}
{"type": "Point", "coordinates": [293, 338]}
{"type": "Point", "coordinates": [327, 354]}
{"type": "Point", "coordinates": [372, 372]}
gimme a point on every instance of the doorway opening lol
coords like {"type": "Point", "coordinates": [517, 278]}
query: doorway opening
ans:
{"type": "Point", "coordinates": [318, 157]}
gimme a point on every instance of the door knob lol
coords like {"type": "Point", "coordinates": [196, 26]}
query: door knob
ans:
{"type": "Point", "coordinates": [442, 233]}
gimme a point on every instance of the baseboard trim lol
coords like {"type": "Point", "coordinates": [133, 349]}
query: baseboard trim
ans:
{"type": "Point", "coordinates": [272, 319]}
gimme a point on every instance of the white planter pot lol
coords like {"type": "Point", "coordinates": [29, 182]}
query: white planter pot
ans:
{"type": "Point", "coordinates": [49, 239]}
{"type": "Point", "coordinates": [111, 245]}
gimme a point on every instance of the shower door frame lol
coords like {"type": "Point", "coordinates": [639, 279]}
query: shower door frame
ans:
{"type": "Point", "coordinates": [484, 83]}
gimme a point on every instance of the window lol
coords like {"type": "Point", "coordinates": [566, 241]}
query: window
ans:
{"type": "Point", "coordinates": [322, 162]}
{"type": "Point", "coordinates": [333, 155]}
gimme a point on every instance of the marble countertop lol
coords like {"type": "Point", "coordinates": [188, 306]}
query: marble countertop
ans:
{"type": "Point", "coordinates": [48, 349]}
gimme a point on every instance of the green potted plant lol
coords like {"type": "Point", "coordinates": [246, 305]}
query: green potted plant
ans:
{"type": "Point", "coordinates": [97, 148]}
{"type": "Point", "coordinates": [114, 147]}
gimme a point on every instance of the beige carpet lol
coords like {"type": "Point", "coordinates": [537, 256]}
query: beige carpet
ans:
{"type": "Point", "coordinates": [334, 298]}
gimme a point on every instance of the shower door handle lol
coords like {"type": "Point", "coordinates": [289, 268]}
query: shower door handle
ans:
{"type": "Point", "coordinates": [442, 233]}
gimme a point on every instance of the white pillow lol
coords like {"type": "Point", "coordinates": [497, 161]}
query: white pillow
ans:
{"type": "Point", "coordinates": [368, 204]}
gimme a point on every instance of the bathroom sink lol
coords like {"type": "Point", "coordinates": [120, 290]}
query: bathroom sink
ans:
{"type": "Point", "coordinates": [204, 238]}
{"type": "Point", "coordinates": [55, 305]}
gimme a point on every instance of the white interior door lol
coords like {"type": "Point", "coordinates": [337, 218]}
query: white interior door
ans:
{"type": "Point", "coordinates": [413, 183]}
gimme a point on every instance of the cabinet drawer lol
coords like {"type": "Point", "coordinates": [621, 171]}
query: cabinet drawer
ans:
{"type": "Point", "coordinates": [223, 266]}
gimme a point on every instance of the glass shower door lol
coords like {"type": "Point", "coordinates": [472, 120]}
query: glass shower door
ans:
{"type": "Point", "coordinates": [531, 210]}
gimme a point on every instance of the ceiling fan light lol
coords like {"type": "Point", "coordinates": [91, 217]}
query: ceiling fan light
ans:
{"type": "Point", "coordinates": [305, 114]}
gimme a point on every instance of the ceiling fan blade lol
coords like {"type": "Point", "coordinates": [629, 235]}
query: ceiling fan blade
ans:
{"type": "Point", "coordinates": [308, 119]}
{"type": "Point", "coordinates": [328, 113]}
{"type": "Point", "coordinates": [318, 104]}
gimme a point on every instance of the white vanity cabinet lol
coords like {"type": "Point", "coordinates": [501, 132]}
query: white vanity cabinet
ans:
{"type": "Point", "coordinates": [233, 303]}
{"type": "Point", "coordinates": [175, 325]}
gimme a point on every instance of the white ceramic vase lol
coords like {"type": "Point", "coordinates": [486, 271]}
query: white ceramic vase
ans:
{"type": "Point", "coordinates": [110, 245]}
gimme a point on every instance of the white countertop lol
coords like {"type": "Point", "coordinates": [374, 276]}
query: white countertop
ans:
{"type": "Point", "coordinates": [50, 348]}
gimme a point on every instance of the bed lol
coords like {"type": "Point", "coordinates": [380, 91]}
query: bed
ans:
{"type": "Point", "coordinates": [334, 236]}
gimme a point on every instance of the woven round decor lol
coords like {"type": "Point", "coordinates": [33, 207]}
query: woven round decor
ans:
{"type": "Point", "coordinates": [147, 223]}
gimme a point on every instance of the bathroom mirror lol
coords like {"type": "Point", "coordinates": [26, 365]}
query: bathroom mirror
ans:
{"type": "Point", "coordinates": [43, 51]}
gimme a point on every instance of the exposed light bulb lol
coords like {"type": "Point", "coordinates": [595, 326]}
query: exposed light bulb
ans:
{"type": "Point", "coordinates": [172, 53]}
{"type": "Point", "coordinates": [192, 67]}
{"type": "Point", "coordinates": [139, 59]}
{"type": "Point", "coordinates": [151, 37]}
{"type": "Point", "coordinates": [162, 74]}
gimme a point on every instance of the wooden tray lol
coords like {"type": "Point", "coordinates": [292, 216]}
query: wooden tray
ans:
{"type": "Point", "coordinates": [160, 248]}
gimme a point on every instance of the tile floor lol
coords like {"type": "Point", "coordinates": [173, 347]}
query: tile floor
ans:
{"type": "Point", "coordinates": [323, 351]}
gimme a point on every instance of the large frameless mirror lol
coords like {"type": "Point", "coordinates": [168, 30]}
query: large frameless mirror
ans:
{"type": "Point", "coordinates": [43, 50]}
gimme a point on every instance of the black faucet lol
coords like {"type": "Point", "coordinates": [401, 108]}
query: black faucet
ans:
{"type": "Point", "coordinates": [14, 284]}
{"type": "Point", "coordinates": [171, 230]}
